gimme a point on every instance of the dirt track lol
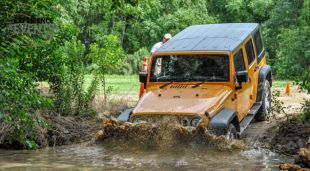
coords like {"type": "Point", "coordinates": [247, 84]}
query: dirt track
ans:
{"type": "Point", "coordinates": [292, 101]}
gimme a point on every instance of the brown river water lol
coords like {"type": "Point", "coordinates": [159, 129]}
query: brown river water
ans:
{"type": "Point", "coordinates": [114, 155]}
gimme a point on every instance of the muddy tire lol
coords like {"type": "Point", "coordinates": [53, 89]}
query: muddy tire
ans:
{"type": "Point", "coordinates": [231, 132]}
{"type": "Point", "coordinates": [263, 112]}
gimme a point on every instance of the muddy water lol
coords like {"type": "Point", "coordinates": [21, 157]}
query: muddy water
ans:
{"type": "Point", "coordinates": [110, 155]}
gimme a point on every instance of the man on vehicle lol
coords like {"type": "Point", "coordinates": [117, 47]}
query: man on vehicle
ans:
{"type": "Point", "coordinates": [166, 37]}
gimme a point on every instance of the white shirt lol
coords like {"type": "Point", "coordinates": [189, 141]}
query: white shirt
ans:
{"type": "Point", "coordinates": [156, 46]}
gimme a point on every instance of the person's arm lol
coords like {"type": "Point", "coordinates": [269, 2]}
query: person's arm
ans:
{"type": "Point", "coordinates": [156, 46]}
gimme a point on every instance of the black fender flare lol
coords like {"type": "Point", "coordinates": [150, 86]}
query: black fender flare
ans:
{"type": "Point", "coordinates": [124, 116]}
{"type": "Point", "coordinates": [264, 73]}
{"type": "Point", "coordinates": [221, 121]}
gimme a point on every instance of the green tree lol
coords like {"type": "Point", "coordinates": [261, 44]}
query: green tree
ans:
{"type": "Point", "coordinates": [107, 59]}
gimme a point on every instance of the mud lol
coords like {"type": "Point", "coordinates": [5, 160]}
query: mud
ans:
{"type": "Point", "coordinates": [163, 136]}
{"type": "Point", "coordinates": [302, 162]}
{"type": "Point", "coordinates": [61, 130]}
{"type": "Point", "coordinates": [287, 137]}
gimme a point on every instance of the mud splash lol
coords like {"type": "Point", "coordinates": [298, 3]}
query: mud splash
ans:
{"type": "Point", "coordinates": [163, 137]}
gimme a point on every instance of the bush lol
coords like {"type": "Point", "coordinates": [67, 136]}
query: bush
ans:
{"type": "Point", "coordinates": [71, 96]}
{"type": "Point", "coordinates": [133, 62]}
{"type": "Point", "coordinates": [18, 101]}
{"type": "Point", "coordinates": [305, 110]}
{"type": "Point", "coordinates": [107, 59]}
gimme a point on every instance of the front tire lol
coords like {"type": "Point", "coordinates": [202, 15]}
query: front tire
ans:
{"type": "Point", "coordinates": [263, 112]}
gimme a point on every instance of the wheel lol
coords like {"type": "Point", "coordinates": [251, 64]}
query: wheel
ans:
{"type": "Point", "coordinates": [263, 112]}
{"type": "Point", "coordinates": [231, 132]}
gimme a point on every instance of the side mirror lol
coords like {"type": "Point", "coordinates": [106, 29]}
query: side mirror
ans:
{"type": "Point", "coordinates": [242, 76]}
{"type": "Point", "coordinates": [143, 77]}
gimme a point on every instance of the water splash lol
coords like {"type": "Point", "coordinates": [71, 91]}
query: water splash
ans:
{"type": "Point", "coordinates": [163, 136]}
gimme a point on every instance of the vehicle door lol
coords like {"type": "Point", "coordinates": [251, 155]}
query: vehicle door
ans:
{"type": "Point", "coordinates": [260, 57]}
{"type": "Point", "coordinates": [252, 68]}
{"type": "Point", "coordinates": [243, 91]}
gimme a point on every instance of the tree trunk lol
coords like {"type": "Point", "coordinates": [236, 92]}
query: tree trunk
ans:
{"type": "Point", "coordinates": [104, 90]}
{"type": "Point", "coordinates": [123, 31]}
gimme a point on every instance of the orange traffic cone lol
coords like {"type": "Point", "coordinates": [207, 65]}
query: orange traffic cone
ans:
{"type": "Point", "coordinates": [287, 89]}
{"type": "Point", "coordinates": [144, 65]}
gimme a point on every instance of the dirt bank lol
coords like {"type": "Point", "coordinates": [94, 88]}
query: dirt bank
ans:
{"type": "Point", "coordinates": [287, 137]}
{"type": "Point", "coordinates": [61, 130]}
{"type": "Point", "coordinates": [302, 162]}
{"type": "Point", "coordinates": [71, 130]}
{"type": "Point", "coordinates": [290, 136]}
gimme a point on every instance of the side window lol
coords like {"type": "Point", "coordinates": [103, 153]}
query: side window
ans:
{"type": "Point", "coordinates": [239, 61]}
{"type": "Point", "coordinates": [249, 52]}
{"type": "Point", "coordinates": [258, 45]}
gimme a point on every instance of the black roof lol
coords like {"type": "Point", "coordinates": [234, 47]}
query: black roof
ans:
{"type": "Point", "coordinates": [209, 37]}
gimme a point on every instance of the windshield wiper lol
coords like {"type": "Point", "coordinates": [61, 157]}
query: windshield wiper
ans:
{"type": "Point", "coordinates": [211, 79]}
{"type": "Point", "coordinates": [198, 84]}
{"type": "Point", "coordinates": [163, 86]}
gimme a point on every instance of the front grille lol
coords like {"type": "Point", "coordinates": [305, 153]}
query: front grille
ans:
{"type": "Point", "coordinates": [184, 120]}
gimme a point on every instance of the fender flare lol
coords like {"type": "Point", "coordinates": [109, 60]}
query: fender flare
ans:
{"type": "Point", "coordinates": [221, 121]}
{"type": "Point", "coordinates": [124, 116]}
{"type": "Point", "coordinates": [264, 73]}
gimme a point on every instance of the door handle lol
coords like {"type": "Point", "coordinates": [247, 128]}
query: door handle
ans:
{"type": "Point", "coordinates": [256, 68]}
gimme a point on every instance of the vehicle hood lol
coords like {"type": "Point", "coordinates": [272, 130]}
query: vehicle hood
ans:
{"type": "Point", "coordinates": [183, 99]}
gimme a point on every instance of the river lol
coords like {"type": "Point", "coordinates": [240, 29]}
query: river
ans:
{"type": "Point", "coordinates": [103, 156]}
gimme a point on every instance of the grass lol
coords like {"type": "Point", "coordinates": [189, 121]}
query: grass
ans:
{"type": "Point", "coordinates": [281, 83]}
{"type": "Point", "coordinates": [121, 84]}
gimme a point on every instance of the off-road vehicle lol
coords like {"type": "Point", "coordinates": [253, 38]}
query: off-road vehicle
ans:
{"type": "Point", "coordinates": [215, 74]}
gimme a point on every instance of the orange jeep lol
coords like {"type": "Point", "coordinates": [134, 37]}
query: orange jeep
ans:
{"type": "Point", "coordinates": [215, 74]}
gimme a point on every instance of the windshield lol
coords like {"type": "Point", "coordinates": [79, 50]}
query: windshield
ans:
{"type": "Point", "coordinates": [198, 67]}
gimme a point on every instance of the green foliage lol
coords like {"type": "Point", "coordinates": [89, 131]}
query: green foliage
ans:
{"type": "Point", "coordinates": [291, 42]}
{"type": "Point", "coordinates": [293, 54]}
{"type": "Point", "coordinates": [305, 110]}
{"type": "Point", "coordinates": [19, 100]}
{"type": "Point", "coordinates": [283, 16]}
{"type": "Point", "coordinates": [277, 107]}
{"type": "Point", "coordinates": [107, 58]}
{"type": "Point", "coordinates": [132, 62]}
{"type": "Point", "coordinates": [112, 37]}
{"type": "Point", "coordinates": [71, 97]}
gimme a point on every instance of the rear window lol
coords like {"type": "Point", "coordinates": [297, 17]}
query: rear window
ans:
{"type": "Point", "coordinates": [198, 67]}
{"type": "Point", "coordinates": [258, 45]}
{"type": "Point", "coordinates": [249, 52]}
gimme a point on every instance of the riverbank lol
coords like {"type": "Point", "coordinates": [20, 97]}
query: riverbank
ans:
{"type": "Point", "coordinates": [287, 137]}
{"type": "Point", "coordinates": [60, 130]}
{"type": "Point", "coordinates": [289, 134]}
{"type": "Point", "coordinates": [290, 138]}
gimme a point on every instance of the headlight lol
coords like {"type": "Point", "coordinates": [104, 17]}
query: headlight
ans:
{"type": "Point", "coordinates": [184, 122]}
{"type": "Point", "coordinates": [136, 120]}
{"type": "Point", "coordinates": [194, 122]}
